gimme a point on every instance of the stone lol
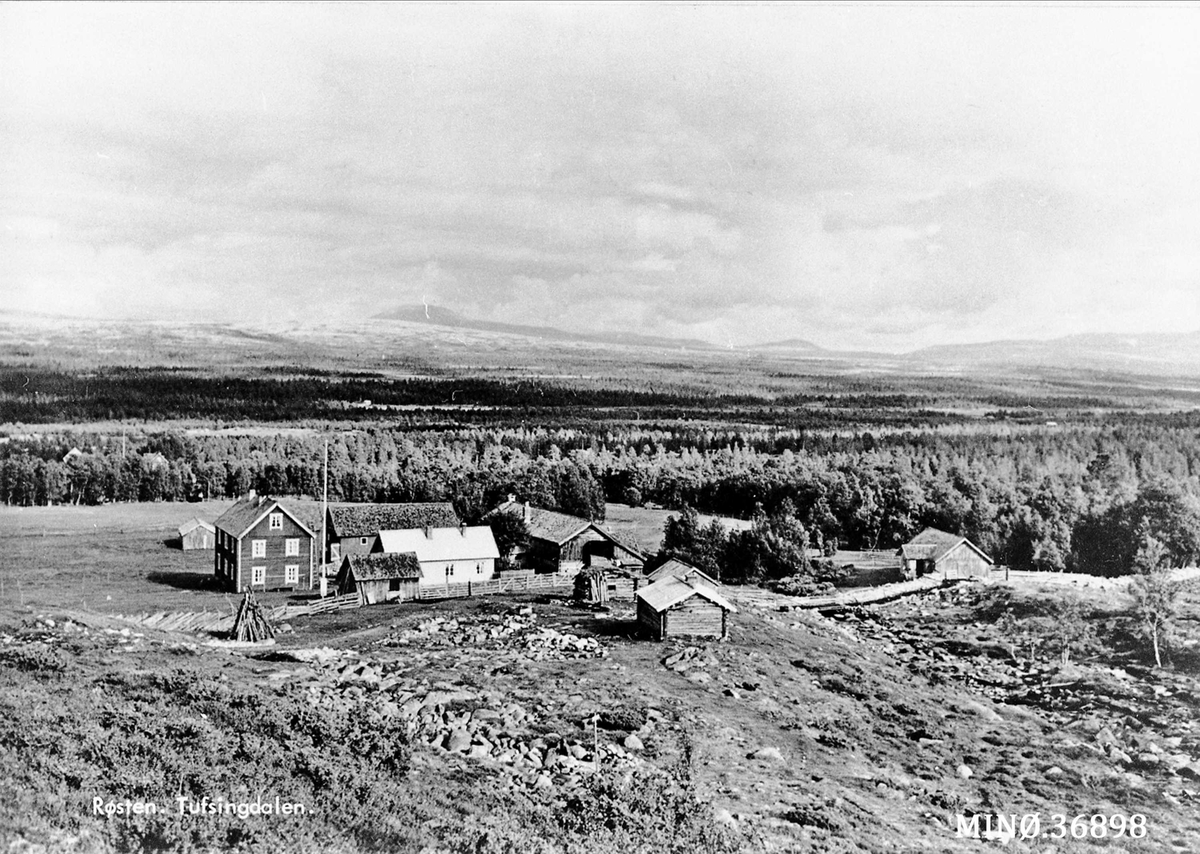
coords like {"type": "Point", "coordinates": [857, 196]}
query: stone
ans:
{"type": "Point", "coordinates": [632, 742]}
{"type": "Point", "coordinates": [458, 741]}
{"type": "Point", "coordinates": [733, 692]}
{"type": "Point", "coordinates": [964, 771]}
{"type": "Point", "coordinates": [766, 754]}
{"type": "Point", "coordinates": [699, 677]}
{"type": "Point", "coordinates": [1053, 771]}
{"type": "Point", "coordinates": [478, 751]}
{"type": "Point", "coordinates": [1118, 755]}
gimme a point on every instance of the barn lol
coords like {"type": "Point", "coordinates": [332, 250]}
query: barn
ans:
{"type": "Point", "coordinates": [262, 544]}
{"type": "Point", "coordinates": [564, 544]}
{"type": "Point", "coordinates": [354, 528]}
{"type": "Point", "coordinates": [379, 577]}
{"type": "Point", "coordinates": [675, 607]}
{"type": "Point", "coordinates": [676, 568]}
{"type": "Point", "coordinates": [934, 552]}
{"type": "Point", "coordinates": [195, 533]}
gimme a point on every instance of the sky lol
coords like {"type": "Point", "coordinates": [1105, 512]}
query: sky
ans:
{"type": "Point", "coordinates": [858, 176]}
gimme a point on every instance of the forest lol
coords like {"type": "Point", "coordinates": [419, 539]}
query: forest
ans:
{"type": "Point", "coordinates": [1083, 497]}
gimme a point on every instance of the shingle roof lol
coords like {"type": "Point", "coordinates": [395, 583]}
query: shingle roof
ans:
{"type": "Point", "coordinates": [379, 567]}
{"type": "Point", "coordinates": [442, 544]}
{"type": "Point", "coordinates": [681, 569]}
{"type": "Point", "coordinates": [555, 527]}
{"type": "Point", "coordinates": [933, 544]}
{"type": "Point", "coordinates": [243, 515]}
{"type": "Point", "coordinates": [194, 523]}
{"type": "Point", "coordinates": [363, 520]}
{"type": "Point", "coordinates": [671, 590]}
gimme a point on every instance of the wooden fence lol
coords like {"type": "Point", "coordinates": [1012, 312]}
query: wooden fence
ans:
{"type": "Point", "coordinates": [516, 584]}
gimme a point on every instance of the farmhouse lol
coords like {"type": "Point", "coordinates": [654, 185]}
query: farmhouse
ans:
{"type": "Point", "coordinates": [676, 568]}
{"type": "Point", "coordinates": [446, 555]}
{"type": "Point", "coordinates": [675, 607]}
{"type": "Point", "coordinates": [354, 528]}
{"type": "Point", "coordinates": [262, 544]}
{"type": "Point", "coordinates": [934, 552]}
{"type": "Point", "coordinates": [564, 544]}
{"type": "Point", "coordinates": [197, 534]}
{"type": "Point", "coordinates": [379, 577]}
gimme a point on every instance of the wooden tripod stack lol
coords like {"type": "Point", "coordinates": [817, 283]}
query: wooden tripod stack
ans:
{"type": "Point", "coordinates": [251, 623]}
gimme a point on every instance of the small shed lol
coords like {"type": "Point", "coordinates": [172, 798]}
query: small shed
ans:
{"type": "Point", "coordinates": [934, 552]}
{"type": "Point", "coordinates": [674, 567]}
{"type": "Point", "coordinates": [677, 607]}
{"type": "Point", "coordinates": [195, 533]}
{"type": "Point", "coordinates": [380, 577]}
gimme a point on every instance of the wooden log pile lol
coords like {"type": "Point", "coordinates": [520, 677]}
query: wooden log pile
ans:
{"type": "Point", "coordinates": [251, 623]}
{"type": "Point", "coordinates": [591, 587]}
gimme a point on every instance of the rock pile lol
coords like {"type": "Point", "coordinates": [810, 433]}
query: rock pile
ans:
{"type": "Point", "coordinates": [513, 631]}
{"type": "Point", "coordinates": [478, 725]}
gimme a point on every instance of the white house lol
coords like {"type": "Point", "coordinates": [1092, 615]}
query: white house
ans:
{"type": "Point", "coordinates": [446, 555]}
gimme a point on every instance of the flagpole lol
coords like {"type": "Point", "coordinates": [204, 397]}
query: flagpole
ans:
{"type": "Point", "coordinates": [324, 516]}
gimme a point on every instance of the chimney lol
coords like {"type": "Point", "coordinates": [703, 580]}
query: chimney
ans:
{"type": "Point", "coordinates": [252, 494]}
{"type": "Point", "coordinates": [525, 512]}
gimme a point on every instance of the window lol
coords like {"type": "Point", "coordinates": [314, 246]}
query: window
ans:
{"type": "Point", "coordinates": [258, 576]}
{"type": "Point", "coordinates": [450, 571]}
{"type": "Point", "coordinates": [291, 574]}
{"type": "Point", "coordinates": [276, 523]}
{"type": "Point", "coordinates": [258, 548]}
{"type": "Point", "coordinates": [291, 546]}
{"type": "Point", "coordinates": [335, 551]}
{"type": "Point", "coordinates": [362, 541]}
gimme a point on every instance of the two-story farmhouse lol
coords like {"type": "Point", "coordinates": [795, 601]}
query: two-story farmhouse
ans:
{"type": "Point", "coordinates": [353, 529]}
{"type": "Point", "coordinates": [263, 545]}
{"type": "Point", "coordinates": [934, 552]}
{"type": "Point", "coordinates": [564, 544]}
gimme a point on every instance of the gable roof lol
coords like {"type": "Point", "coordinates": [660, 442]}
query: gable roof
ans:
{"type": "Point", "coordinates": [681, 569]}
{"type": "Point", "coordinates": [933, 544]}
{"type": "Point", "coordinates": [555, 527]}
{"type": "Point", "coordinates": [249, 511]}
{"type": "Point", "coordinates": [194, 523]}
{"type": "Point", "coordinates": [364, 520]}
{"type": "Point", "coordinates": [671, 590]}
{"type": "Point", "coordinates": [442, 544]}
{"type": "Point", "coordinates": [380, 567]}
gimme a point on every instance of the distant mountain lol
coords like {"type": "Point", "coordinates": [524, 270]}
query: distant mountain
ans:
{"type": "Point", "coordinates": [1172, 354]}
{"type": "Point", "coordinates": [795, 345]}
{"type": "Point", "coordinates": [437, 316]}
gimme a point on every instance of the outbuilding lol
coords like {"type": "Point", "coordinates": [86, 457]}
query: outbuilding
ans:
{"type": "Point", "coordinates": [935, 552]}
{"type": "Point", "coordinates": [195, 533]}
{"type": "Point", "coordinates": [380, 577]}
{"type": "Point", "coordinates": [677, 607]}
{"type": "Point", "coordinates": [676, 568]}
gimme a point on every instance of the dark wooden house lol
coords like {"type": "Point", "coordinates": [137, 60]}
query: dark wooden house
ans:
{"type": "Point", "coordinates": [564, 544]}
{"type": "Point", "coordinates": [380, 577]}
{"type": "Point", "coordinates": [353, 529]}
{"type": "Point", "coordinates": [675, 607]}
{"type": "Point", "coordinates": [261, 544]}
{"type": "Point", "coordinates": [197, 534]}
{"type": "Point", "coordinates": [934, 552]}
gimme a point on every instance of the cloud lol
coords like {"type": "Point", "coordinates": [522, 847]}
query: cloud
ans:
{"type": "Point", "coordinates": [742, 172]}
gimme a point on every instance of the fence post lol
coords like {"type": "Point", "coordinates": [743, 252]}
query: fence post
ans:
{"type": "Point", "coordinates": [468, 588]}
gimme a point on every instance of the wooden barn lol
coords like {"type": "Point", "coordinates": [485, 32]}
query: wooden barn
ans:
{"type": "Point", "coordinates": [197, 534]}
{"type": "Point", "coordinates": [353, 529]}
{"type": "Point", "coordinates": [676, 568]}
{"type": "Point", "coordinates": [379, 577]}
{"type": "Point", "coordinates": [934, 552]}
{"type": "Point", "coordinates": [674, 607]}
{"type": "Point", "coordinates": [262, 544]}
{"type": "Point", "coordinates": [564, 544]}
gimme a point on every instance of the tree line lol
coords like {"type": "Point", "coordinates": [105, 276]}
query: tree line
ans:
{"type": "Point", "coordinates": [1079, 498]}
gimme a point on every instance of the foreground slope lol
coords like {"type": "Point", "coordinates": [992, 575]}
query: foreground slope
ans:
{"type": "Point", "coordinates": [491, 726]}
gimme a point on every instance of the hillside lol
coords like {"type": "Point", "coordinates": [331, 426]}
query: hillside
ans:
{"type": "Point", "coordinates": [501, 725]}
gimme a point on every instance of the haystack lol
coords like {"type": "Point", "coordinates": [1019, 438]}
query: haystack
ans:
{"type": "Point", "coordinates": [251, 623]}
